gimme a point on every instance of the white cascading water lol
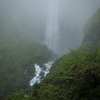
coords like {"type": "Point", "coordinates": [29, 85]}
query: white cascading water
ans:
{"type": "Point", "coordinates": [48, 66]}
{"type": "Point", "coordinates": [37, 77]}
{"type": "Point", "coordinates": [52, 25]}
{"type": "Point", "coordinates": [38, 70]}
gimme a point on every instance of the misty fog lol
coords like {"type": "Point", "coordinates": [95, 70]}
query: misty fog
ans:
{"type": "Point", "coordinates": [55, 23]}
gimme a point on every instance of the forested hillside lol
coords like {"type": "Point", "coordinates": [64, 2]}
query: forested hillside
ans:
{"type": "Point", "coordinates": [74, 76]}
{"type": "Point", "coordinates": [18, 52]}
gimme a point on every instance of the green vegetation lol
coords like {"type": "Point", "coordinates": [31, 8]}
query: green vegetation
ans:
{"type": "Point", "coordinates": [76, 78]}
{"type": "Point", "coordinates": [18, 52]}
{"type": "Point", "coordinates": [92, 32]}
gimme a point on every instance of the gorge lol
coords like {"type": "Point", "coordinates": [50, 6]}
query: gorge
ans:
{"type": "Point", "coordinates": [35, 60]}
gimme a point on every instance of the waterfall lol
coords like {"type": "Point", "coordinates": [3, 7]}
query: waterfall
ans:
{"type": "Point", "coordinates": [41, 72]}
{"type": "Point", "coordinates": [52, 25]}
{"type": "Point", "coordinates": [37, 77]}
{"type": "Point", "coordinates": [62, 32]}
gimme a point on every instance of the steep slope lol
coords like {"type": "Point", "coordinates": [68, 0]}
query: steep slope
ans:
{"type": "Point", "coordinates": [18, 52]}
{"type": "Point", "coordinates": [75, 76]}
{"type": "Point", "coordinates": [91, 40]}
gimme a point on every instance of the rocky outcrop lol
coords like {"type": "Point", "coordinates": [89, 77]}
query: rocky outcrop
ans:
{"type": "Point", "coordinates": [91, 40]}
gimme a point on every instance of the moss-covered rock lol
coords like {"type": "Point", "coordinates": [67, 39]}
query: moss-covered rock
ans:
{"type": "Point", "coordinates": [92, 30]}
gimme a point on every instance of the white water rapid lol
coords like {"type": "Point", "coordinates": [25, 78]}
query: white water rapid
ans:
{"type": "Point", "coordinates": [39, 70]}
{"type": "Point", "coordinates": [52, 25]}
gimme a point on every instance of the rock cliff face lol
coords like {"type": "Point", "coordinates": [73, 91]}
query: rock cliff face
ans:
{"type": "Point", "coordinates": [91, 40]}
{"type": "Point", "coordinates": [18, 54]}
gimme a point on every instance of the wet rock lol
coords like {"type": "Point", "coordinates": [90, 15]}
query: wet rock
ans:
{"type": "Point", "coordinates": [41, 73]}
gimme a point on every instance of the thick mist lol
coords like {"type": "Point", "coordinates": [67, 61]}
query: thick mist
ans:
{"type": "Point", "coordinates": [56, 23]}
